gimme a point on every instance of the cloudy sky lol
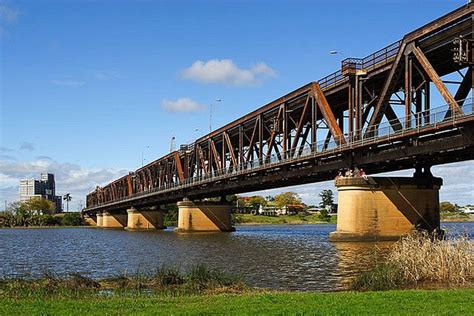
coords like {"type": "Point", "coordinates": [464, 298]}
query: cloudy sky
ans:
{"type": "Point", "coordinates": [91, 89]}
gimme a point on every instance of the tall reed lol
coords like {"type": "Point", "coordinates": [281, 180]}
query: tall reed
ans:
{"type": "Point", "coordinates": [421, 258]}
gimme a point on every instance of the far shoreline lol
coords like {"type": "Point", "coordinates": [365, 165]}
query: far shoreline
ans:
{"type": "Point", "coordinates": [471, 220]}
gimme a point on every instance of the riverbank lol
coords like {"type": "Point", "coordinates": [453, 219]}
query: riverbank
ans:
{"type": "Point", "coordinates": [46, 227]}
{"type": "Point", "coordinates": [457, 217]}
{"type": "Point", "coordinates": [249, 219]}
{"type": "Point", "coordinates": [458, 301]}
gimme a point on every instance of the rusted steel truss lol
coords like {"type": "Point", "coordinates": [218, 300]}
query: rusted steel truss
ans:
{"type": "Point", "coordinates": [391, 88]}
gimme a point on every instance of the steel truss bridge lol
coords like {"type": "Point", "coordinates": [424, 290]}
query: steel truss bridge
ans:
{"type": "Point", "coordinates": [375, 112]}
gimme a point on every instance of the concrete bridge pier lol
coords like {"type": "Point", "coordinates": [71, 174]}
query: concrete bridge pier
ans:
{"type": "Point", "coordinates": [100, 219]}
{"type": "Point", "coordinates": [110, 220]}
{"type": "Point", "coordinates": [204, 216]}
{"type": "Point", "coordinates": [386, 208]}
{"type": "Point", "coordinates": [143, 219]}
{"type": "Point", "coordinates": [90, 220]}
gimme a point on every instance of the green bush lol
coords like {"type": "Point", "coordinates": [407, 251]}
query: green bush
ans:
{"type": "Point", "coordinates": [324, 216]}
{"type": "Point", "coordinates": [72, 219]}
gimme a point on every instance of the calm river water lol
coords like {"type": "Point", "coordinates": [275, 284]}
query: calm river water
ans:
{"type": "Point", "coordinates": [295, 257]}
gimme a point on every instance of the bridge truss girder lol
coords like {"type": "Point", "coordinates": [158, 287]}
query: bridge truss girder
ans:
{"type": "Point", "coordinates": [345, 107]}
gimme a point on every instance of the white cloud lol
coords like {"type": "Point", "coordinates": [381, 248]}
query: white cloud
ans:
{"type": "Point", "coordinates": [226, 72]}
{"type": "Point", "coordinates": [27, 146]}
{"type": "Point", "coordinates": [181, 105]}
{"type": "Point", "coordinates": [70, 178]}
{"type": "Point", "coordinates": [106, 75]}
{"type": "Point", "coordinates": [8, 14]}
{"type": "Point", "coordinates": [67, 83]}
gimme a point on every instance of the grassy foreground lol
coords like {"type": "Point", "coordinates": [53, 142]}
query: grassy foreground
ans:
{"type": "Point", "coordinates": [424, 302]}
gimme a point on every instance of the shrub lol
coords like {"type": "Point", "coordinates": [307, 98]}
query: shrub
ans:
{"type": "Point", "coordinates": [72, 219]}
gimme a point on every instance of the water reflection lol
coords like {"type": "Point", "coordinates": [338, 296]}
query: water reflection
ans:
{"type": "Point", "coordinates": [279, 257]}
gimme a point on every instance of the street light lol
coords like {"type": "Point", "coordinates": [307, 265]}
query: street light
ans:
{"type": "Point", "coordinates": [210, 114]}
{"type": "Point", "coordinates": [335, 52]}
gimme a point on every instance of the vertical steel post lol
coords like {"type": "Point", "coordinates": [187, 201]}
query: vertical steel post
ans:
{"type": "Point", "coordinates": [351, 110]}
{"type": "Point", "coordinates": [314, 113]}
{"type": "Point", "coordinates": [408, 96]}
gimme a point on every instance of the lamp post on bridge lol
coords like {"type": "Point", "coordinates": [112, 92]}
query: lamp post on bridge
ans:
{"type": "Point", "coordinates": [335, 52]}
{"type": "Point", "coordinates": [210, 114]}
{"type": "Point", "coordinates": [143, 159]}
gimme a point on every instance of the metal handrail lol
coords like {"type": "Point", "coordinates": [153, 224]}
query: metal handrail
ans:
{"type": "Point", "coordinates": [417, 122]}
{"type": "Point", "coordinates": [368, 63]}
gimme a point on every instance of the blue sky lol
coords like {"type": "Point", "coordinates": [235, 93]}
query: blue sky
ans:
{"type": "Point", "coordinates": [87, 85]}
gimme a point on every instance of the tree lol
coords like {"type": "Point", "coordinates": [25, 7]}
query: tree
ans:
{"type": "Point", "coordinates": [287, 198]}
{"type": "Point", "coordinates": [39, 205]}
{"type": "Point", "coordinates": [447, 207]}
{"type": "Point", "coordinates": [67, 198]}
{"type": "Point", "coordinates": [231, 199]}
{"type": "Point", "coordinates": [270, 198]}
{"type": "Point", "coordinates": [256, 201]}
{"type": "Point", "coordinates": [327, 199]}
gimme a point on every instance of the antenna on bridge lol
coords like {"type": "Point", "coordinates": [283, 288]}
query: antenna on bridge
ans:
{"type": "Point", "coordinates": [172, 144]}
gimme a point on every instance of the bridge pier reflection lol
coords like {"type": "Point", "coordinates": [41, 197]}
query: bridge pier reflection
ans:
{"type": "Point", "coordinates": [143, 219]}
{"type": "Point", "coordinates": [386, 208]}
{"type": "Point", "coordinates": [204, 217]}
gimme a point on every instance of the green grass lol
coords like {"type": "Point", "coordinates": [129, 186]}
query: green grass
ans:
{"type": "Point", "coordinates": [456, 217]}
{"type": "Point", "coordinates": [425, 302]}
{"type": "Point", "coordinates": [282, 219]}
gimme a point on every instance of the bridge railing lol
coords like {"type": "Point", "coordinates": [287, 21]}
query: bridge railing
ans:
{"type": "Point", "coordinates": [414, 123]}
{"type": "Point", "coordinates": [368, 63]}
{"type": "Point", "coordinates": [381, 56]}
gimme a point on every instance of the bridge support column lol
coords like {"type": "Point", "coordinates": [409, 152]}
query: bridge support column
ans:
{"type": "Point", "coordinates": [100, 221]}
{"type": "Point", "coordinates": [114, 220]}
{"type": "Point", "coordinates": [90, 219]}
{"type": "Point", "coordinates": [386, 208]}
{"type": "Point", "coordinates": [144, 219]}
{"type": "Point", "coordinates": [204, 216]}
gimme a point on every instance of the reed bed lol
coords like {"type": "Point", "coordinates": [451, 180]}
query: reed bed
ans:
{"type": "Point", "coordinates": [421, 258]}
{"type": "Point", "coordinates": [198, 279]}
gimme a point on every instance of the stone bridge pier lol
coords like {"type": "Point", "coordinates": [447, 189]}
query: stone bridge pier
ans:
{"type": "Point", "coordinates": [144, 219]}
{"type": "Point", "coordinates": [99, 219]}
{"type": "Point", "coordinates": [386, 208]}
{"type": "Point", "coordinates": [204, 216]}
{"type": "Point", "coordinates": [112, 220]}
{"type": "Point", "coordinates": [90, 220]}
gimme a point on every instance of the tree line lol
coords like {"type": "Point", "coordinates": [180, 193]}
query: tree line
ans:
{"type": "Point", "coordinates": [37, 211]}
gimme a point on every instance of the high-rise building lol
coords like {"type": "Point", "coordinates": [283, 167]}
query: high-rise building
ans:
{"type": "Point", "coordinates": [45, 187]}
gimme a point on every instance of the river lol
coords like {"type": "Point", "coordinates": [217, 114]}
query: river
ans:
{"type": "Point", "coordinates": [285, 257]}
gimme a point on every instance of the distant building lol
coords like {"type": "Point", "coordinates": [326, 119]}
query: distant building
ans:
{"type": "Point", "coordinates": [272, 210]}
{"type": "Point", "coordinates": [45, 187]}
